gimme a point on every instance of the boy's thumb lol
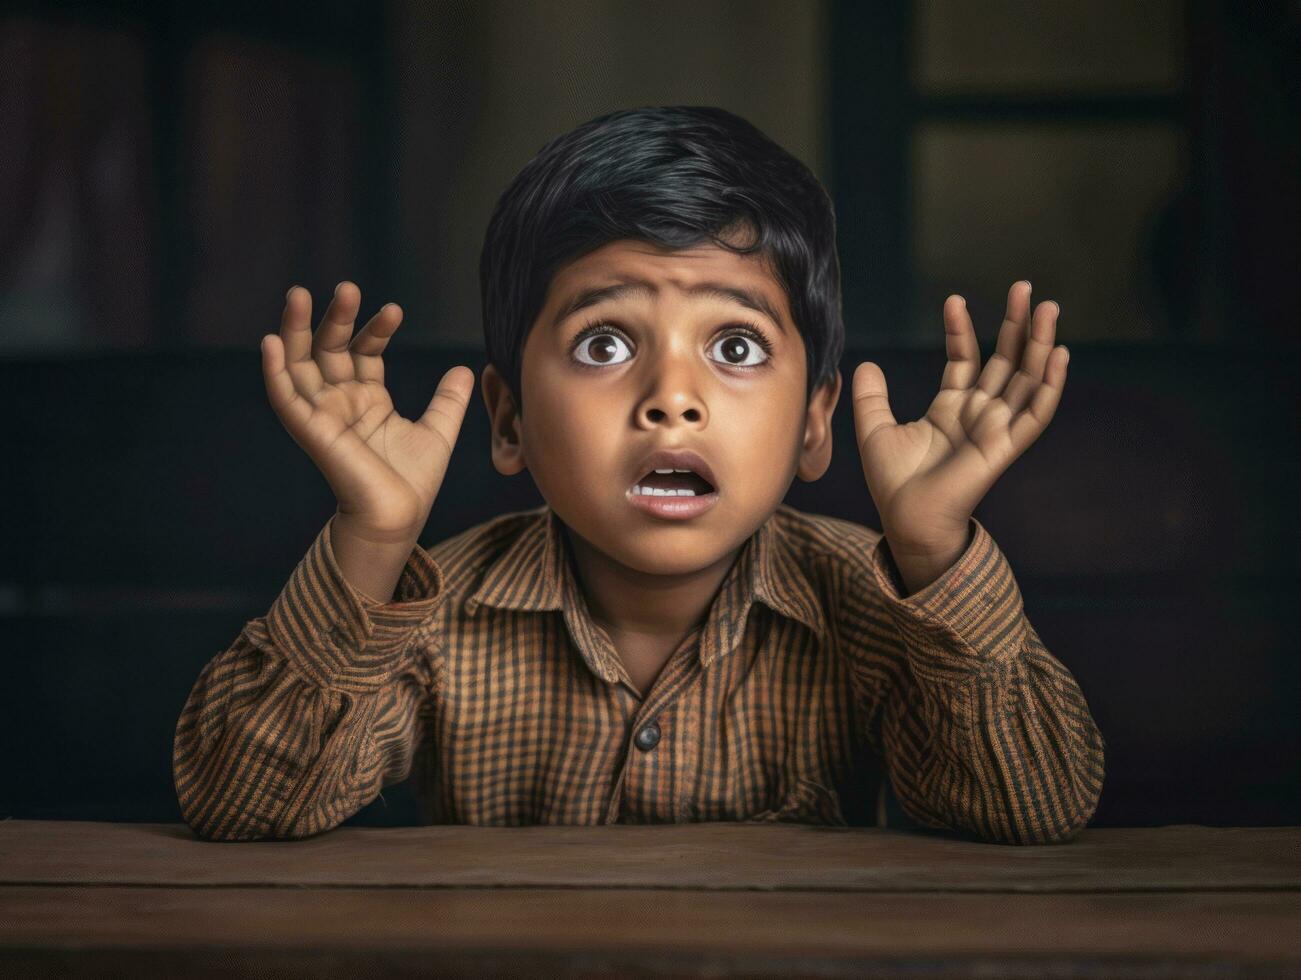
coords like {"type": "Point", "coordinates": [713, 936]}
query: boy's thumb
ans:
{"type": "Point", "coordinates": [447, 408]}
{"type": "Point", "coordinates": [871, 401]}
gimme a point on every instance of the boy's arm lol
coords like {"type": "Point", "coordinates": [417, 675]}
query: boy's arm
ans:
{"type": "Point", "coordinates": [981, 729]}
{"type": "Point", "coordinates": [312, 710]}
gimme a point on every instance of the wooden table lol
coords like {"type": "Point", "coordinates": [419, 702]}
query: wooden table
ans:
{"type": "Point", "coordinates": [99, 899]}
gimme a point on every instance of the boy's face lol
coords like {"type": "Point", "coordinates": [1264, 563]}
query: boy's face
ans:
{"type": "Point", "coordinates": [667, 369]}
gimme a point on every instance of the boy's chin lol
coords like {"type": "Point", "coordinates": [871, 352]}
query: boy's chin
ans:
{"type": "Point", "coordinates": [678, 562]}
{"type": "Point", "coordinates": [664, 547]}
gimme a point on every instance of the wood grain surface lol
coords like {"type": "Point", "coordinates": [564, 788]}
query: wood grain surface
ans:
{"type": "Point", "coordinates": [701, 856]}
{"type": "Point", "coordinates": [95, 899]}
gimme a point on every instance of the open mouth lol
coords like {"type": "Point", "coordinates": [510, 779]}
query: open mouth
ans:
{"type": "Point", "coordinates": [672, 483]}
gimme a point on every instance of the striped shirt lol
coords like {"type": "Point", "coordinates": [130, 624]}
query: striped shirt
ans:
{"type": "Point", "coordinates": [811, 680]}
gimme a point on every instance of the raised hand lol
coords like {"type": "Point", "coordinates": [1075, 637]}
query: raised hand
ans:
{"type": "Point", "coordinates": [328, 391]}
{"type": "Point", "coordinates": [927, 476]}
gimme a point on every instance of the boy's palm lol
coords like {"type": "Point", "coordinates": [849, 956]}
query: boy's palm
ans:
{"type": "Point", "coordinates": [329, 394]}
{"type": "Point", "coordinates": [927, 476]}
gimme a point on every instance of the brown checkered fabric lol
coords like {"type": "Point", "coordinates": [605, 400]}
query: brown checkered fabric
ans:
{"type": "Point", "coordinates": [488, 680]}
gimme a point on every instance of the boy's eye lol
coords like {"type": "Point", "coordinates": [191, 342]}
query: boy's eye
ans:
{"type": "Point", "coordinates": [738, 350]}
{"type": "Point", "coordinates": [740, 347]}
{"type": "Point", "coordinates": [603, 348]}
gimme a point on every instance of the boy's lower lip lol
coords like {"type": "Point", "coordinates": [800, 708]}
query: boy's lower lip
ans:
{"type": "Point", "coordinates": [674, 508]}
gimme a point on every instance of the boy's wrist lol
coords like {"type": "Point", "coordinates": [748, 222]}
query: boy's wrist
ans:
{"type": "Point", "coordinates": [372, 563]}
{"type": "Point", "coordinates": [919, 568]}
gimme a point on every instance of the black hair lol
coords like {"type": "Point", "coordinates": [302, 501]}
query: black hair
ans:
{"type": "Point", "coordinates": [673, 176]}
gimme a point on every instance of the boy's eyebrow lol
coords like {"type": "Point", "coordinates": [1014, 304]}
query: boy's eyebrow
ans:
{"type": "Point", "coordinates": [748, 298]}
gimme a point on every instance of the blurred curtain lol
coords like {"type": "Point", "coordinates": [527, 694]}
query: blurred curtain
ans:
{"type": "Point", "coordinates": [77, 205]}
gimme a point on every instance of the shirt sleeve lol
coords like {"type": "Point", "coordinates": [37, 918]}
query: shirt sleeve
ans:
{"type": "Point", "coordinates": [981, 729]}
{"type": "Point", "coordinates": [312, 710]}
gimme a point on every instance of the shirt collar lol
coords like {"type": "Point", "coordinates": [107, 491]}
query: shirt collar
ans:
{"type": "Point", "coordinates": [534, 574]}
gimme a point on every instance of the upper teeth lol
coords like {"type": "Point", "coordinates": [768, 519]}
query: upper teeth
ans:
{"type": "Point", "coordinates": [657, 492]}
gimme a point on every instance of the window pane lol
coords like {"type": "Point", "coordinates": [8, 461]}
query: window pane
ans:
{"type": "Point", "coordinates": [527, 81]}
{"type": "Point", "coordinates": [77, 200]}
{"type": "Point", "coordinates": [273, 164]}
{"type": "Point", "coordinates": [1048, 46]}
{"type": "Point", "coordinates": [1082, 211]}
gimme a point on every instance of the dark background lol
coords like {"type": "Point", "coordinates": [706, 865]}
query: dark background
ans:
{"type": "Point", "coordinates": [169, 171]}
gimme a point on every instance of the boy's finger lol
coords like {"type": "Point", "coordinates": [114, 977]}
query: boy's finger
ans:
{"type": "Point", "coordinates": [447, 408]}
{"type": "Point", "coordinates": [871, 402]}
{"type": "Point", "coordinates": [296, 339]}
{"type": "Point", "coordinates": [1011, 341]}
{"type": "Point", "coordinates": [291, 407]}
{"type": "Point", "coordinates": [1028, 424]}
{"type": "Point", "coordinates": [960, 345]}
{"type": "Point", "coordinates": [372, 340]}
{"type": "Point", "coordinates": [330, 344]}
{"type": "Point", "coordinates": [1043, 330]}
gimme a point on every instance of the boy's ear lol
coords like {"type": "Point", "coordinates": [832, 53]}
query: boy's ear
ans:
{"type": "Point", "coordinates": [504, 423]}
{"type": "Point", "coordinates": [815, 453]}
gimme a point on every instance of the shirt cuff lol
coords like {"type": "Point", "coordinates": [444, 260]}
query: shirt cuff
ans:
{"type": "Point", "coordinates": [967, 621]}
{"type": "Point", "coordinates": [340, 638]}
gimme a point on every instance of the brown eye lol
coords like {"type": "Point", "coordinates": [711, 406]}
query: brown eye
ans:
{"type": "Point", "coordinates": [738, 349]}
{"type": "Point", "coordinates": [735, 349]}
{"type": "Point", "coordinates": [602, 348]}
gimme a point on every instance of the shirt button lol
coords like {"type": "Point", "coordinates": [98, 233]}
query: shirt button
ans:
{"type": "Point", "coordinates": [647, 737]}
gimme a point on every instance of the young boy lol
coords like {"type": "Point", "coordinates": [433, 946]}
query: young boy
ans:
{"type": "Point", "coordinates": [664, 640]}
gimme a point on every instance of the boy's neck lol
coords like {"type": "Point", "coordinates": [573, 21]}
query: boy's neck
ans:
{"type": "Point", "coordinates": [626, 602]}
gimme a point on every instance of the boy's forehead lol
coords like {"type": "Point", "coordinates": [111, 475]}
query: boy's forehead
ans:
{"type": "Point", "coordinates": [649, 267]}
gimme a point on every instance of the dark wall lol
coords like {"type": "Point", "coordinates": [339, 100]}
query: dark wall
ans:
{"type": "Point", "coordinates": [172, 168]}
{"type": "Point", "coordinates": [157, 505]}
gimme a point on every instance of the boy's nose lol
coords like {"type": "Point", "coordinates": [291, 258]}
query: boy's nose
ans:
{"type": "Point", "coordinates": [672, 395]}
{"type": "Point", "coordinates": [652, 415]}
{"type": "Point", "coordinates": [672, 403]}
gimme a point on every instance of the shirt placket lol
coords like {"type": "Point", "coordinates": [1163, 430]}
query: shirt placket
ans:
{"type": "Point", "coordinates": [651, 771]}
